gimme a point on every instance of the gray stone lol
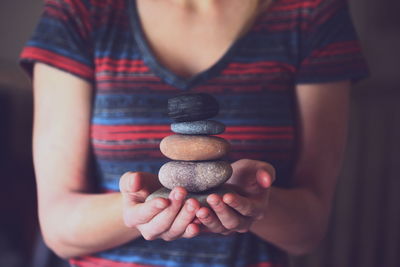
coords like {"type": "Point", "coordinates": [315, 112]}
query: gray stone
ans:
{"type": "Point", "coordinates": [198, 127]}
{"type": "Point", "coordinates": [194, 176]}
{"type": "Point", "coordinates": [201, 197]}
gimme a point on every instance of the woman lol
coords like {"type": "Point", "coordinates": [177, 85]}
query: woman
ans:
{"type": "Point", "coordinates": [103, 71]}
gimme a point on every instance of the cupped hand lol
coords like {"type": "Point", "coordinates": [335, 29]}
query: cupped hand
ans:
{"type": "Point", "coordinates": [235, 212]}
{"type": "Point", "coordinates": [168, 219]}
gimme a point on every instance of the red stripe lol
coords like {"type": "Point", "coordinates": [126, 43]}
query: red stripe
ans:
{"type": "Point", "coordinates": [147, 78]}
{"type": "Point", "coordinates": [74, 9]}
{"type": "Point", "coordinates": [338, 49]}
{"type": "Point", "coordinates": [256, 136]}
{"type": "Point", "coordinates": [119, 133]}
{"type": "Point", "coordinates": [259, 155]}
{"type": "Point", "coordinates": [56, 12]}
{"type": "Point", "coordinates": [257, 67]}
{"type": "Point", "coordinates": [108, 60]}
{"type": "Point", "coordinates": [105, 87]}
{"type": "Point", "coordinates": [65, 63]}
{"type": "Point", "coordinates": [84, 15]}
{"type": "Point", "coordinates": [159, 136]}
{"type": "Point", "coordinates": [253, 71]}
{"type": "Point", "coordinates": [120, 65]}
{"type": "Point", "coordinates": [130, 146]}
{"type": "Point", "coordinates": [131, 128]}
{"type": "Point", "coordinates": [116, 5]}
{"type": "Point", "coordinates": [155, 146]}
{"type": "Point", "coordinates": [265, 264]}
{"type": "Point", "coordinates": [263, 129]}
{"type": "Point", "coordinates": [294, 5]}
{"type": "Point", "coordinates": [98, 262]}
{"type": "Point", "coordinates": [166, 128]}
{"type": "Point", "coordinates": [114, 155]}
{"type": "Point", "coordinates": [121, 68]}
{"type": "Point", "coordinates": [128, 136]}
{"type": "Point", "coordinates": [283, 27]}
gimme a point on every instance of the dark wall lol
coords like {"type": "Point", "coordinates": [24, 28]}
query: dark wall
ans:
{"type": "Point", "coordinates": [364, 229]}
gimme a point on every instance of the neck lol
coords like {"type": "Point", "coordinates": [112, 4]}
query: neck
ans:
{"type": "Point", "coordinates": [212, 5]}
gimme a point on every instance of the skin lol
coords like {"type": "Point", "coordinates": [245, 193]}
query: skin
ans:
{"type": "Point", "coordinates": [294, 219]}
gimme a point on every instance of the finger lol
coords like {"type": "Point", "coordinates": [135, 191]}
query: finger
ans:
{"type": "Point", "coordinates": [242, 205]}
{"type": "Point", "coordinates": [210, 220]}
{"type": "Point", "coordinates": [265, 177]}
{"type": "Point", "coordinates": [182, 220]}
{"type": "Point", "coordinates": [131, 187]}
{"type": "Point", "coordinates": [163, 221]}
{"type": "Point", "coordinates": [191, 231]}
{"type": "Point", "coordinates": [228, 217]}
{"type": "Point", "coordinates": [130, 182]}
{"type": "Point", "coordinates": [144, 212]}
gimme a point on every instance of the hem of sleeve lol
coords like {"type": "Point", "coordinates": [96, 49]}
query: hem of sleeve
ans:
{"type": "Point", "coordinates": [32, 55]}
{"type": "Point", "coordinates": [354, 79]}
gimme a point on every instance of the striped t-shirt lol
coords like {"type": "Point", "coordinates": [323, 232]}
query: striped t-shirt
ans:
{"type": "Point", "coordinates": [101, 41]}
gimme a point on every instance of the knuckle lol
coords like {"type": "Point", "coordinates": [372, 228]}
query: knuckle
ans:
{"type": "Point", "coordinates": [128, 223]}
{"type": "Point", "coordinates": [233, 224]}
{"type": "Point", "coordinates": [248, 210]}
{"type": "Point", "coordinates": [172, 234]}
{"type": "Point", "coordinates": [169, 237]}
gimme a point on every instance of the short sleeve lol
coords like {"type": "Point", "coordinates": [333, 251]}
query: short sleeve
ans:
{"type": "Point", "coordinates": [330, 49]}
{"type": "Point", "coordinates": [62, 39]}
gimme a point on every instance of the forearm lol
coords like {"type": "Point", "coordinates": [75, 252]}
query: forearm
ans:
{"type": "Point", "coordinates": [81, 224]}
{"type": "Point", "coordinates": [295, 220]}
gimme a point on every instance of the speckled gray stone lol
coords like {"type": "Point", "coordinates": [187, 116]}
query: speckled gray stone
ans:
{"type": "Point", "coordinates": [192, 107]}
{"type": "Point", "coordinates": [194, 176]}
{"type": "Point", "coordinates": [198, 127]}
{"type": "Point", "coordinates": [201, 197]}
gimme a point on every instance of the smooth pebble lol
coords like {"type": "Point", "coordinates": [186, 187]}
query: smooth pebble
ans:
{"type": "Point", "coordinates": [194, 147]}
{"type": "Point", "coordinates": [194, 176]}
{"type": "Point", "coordinates": [210, 127]}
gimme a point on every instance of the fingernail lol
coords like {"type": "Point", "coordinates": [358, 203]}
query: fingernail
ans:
{"type": "Point", "coordinates": [228, 200]}
{"type": "Point", "coordinates": [204, 216]}
{"type": "Point", "coordinates": [214, 202]}
{"type": "Point", "coordinates": [131, 181]}
{"type": "Point", "coordinates": [190, 207]}
{"type": "Point", "coordinates": [179, 196]}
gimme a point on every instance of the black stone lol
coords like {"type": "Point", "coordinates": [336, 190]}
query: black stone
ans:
{"type": "Point", "coordinates": [192, 107]}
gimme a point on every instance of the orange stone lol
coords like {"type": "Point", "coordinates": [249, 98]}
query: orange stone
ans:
{"type": "Point", "coordinates": [194, 147]}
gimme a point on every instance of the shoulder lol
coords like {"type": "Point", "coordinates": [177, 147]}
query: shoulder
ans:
{"type": "Point", "coordinates": [83, 7]}
{"type": "Point", "coordinates": [304, 7]}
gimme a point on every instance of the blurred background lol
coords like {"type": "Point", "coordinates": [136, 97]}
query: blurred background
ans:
{"type": "Point", "coordinates": [365, 225]}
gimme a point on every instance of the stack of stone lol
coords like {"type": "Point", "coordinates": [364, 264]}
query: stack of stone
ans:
{"type": "Point", "coordinates": [197, 155]}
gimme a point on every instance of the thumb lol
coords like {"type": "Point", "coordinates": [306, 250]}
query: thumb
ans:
{"type": "Point", "coordinates": [130, 182]}
{"type": "Point", "coordinates": [132, 187]}
{"type": "Point", "coordinates": [265, 177]}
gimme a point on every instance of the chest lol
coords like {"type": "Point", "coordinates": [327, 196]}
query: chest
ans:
{"type": "Point", "coordinates": [188, 42]}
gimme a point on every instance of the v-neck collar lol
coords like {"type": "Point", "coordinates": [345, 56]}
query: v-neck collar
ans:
{"type": "Point", "coordinates": [164, 73]}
